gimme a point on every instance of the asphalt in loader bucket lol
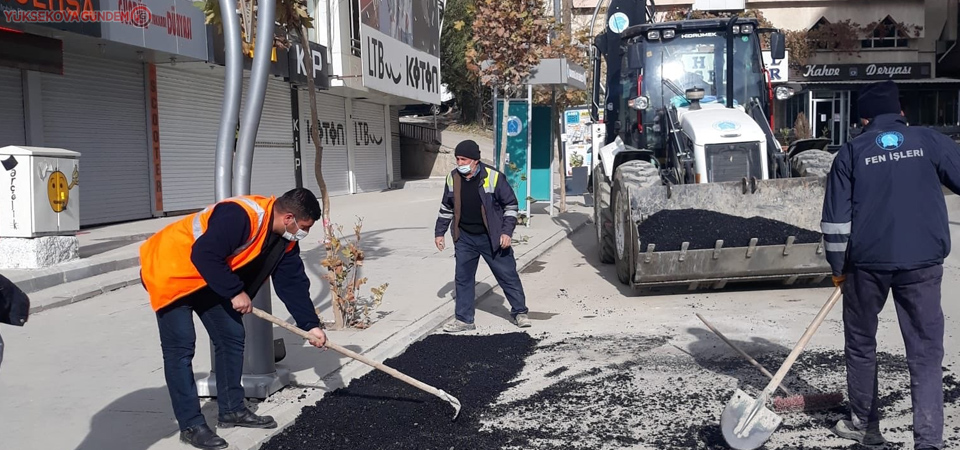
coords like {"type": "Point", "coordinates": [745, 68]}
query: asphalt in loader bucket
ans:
{"type": "Point", "coordinates": [752, 230]}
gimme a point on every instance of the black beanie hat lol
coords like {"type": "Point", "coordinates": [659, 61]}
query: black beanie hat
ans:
{"type": "Point", "coordinates": [879, 98]}
{"type": "Point", "coordinates": [468, 149]}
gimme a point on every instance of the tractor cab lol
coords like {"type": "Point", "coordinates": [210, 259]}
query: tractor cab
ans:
{"type": "Point", "coordinates": [695, 96]}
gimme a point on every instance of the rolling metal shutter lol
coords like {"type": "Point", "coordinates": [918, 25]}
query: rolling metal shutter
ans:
{"type": "Point", "coordinates": [190, 105]}
{"type": "Point", "coordinates": [395, 140]}
{"type": "Point", "coordinates": [98, 108]}
{"type": "Point", "coordinates": [332, 114]}
{"type": "Point", "coordinates": [13, 130]}
{"type": "Point", "coordinates": [370, 142]}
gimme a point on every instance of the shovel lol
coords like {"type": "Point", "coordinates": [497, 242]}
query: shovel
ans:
{"type": "Point", "coordinates": [379, 366]}
{"type": "Point", "coordinates": [746, 422]}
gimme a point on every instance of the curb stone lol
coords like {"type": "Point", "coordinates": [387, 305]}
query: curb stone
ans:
{"type": "Point", "coordinates": [390, 347]}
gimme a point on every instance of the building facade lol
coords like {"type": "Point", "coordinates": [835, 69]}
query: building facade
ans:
{"type": "Point", "coordinates": [139, 95]}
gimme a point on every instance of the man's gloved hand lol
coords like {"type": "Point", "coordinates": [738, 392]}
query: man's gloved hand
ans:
{"type": "Point", "coordinates": [837, 281]}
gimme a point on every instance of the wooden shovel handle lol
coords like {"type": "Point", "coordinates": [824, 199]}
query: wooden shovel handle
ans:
{"type": "Point", "coordinates": [343, 351]}
{"type": "Point", "coordinates": [811, 329]}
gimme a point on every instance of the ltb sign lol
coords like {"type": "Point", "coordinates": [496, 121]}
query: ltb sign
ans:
{"type": "Point", "coordinates": [778, 70]}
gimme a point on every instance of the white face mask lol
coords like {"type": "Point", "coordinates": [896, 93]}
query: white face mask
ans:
{"type": "Point", "coordinates": [294, 237]}
{"type": "Point", "coordinates": [465, 169]}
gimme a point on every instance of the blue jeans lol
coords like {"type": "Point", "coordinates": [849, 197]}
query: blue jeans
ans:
{"type": "Point", "coordinates": [917, 297]}
{"type": "Point", "coordinates": [178, 340]}
{"type": "Point", "coordinates": [468, 249]}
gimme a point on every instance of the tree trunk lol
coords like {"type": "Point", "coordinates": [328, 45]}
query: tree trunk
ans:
{"type": "Point", "coordinates": [561, 163]}
{"type": "Point", "coordinates": [318, 161]}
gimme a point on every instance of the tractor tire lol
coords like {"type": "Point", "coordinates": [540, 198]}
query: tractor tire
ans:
{"type": "Point", "coordinates": [603, 216]}
{"type": "Point", "coordinates": [812, 163]}
{"type": "Point", "coordinates": [629, 179]}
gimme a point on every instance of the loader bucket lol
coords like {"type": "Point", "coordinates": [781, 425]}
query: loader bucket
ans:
{"type": "Point", "coordinates": [794, 255]}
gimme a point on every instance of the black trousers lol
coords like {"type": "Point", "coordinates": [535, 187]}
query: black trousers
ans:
{"type": "Point", "coordinates": [916, 294]}
{"type": "Point", "coordinates": [178, 341]}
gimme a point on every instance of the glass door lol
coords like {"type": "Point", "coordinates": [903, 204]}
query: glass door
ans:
{"type": "Point", "coordinates": [822, 118]}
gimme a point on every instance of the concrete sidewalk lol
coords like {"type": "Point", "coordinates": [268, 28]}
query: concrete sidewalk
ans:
{"type": "Point", "coordinates": [89, 375]}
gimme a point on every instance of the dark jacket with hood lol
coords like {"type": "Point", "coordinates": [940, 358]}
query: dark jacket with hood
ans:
{"type": "Point", "coordinates": [14, 303]}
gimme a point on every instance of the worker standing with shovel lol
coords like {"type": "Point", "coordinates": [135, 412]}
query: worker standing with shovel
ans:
{"type": "Point", "coordinates": [212, 263]}
{"type": "Point", "coordinates": [885, 228]}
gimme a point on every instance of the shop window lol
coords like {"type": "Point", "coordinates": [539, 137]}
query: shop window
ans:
{"type": "Point", "coordinates": [887, 34]}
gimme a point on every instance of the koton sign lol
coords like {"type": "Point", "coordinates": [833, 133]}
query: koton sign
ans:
{"type": "Point", "coordinates": [400, 47]}
{"type": "Point", "coordinates": [395, 68]}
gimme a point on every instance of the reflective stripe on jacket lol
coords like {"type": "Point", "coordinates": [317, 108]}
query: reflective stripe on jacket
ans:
{"type": "Point", "coordinates": [499, 203]}
{"type": "Point", "coordinates": [167, 272]}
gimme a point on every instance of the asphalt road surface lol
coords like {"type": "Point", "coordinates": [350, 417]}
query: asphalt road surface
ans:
{"type": "Point", "coordinates": [612, 369]}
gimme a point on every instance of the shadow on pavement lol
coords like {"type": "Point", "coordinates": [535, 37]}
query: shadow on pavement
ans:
{"type": "Point", "coordinates": [324, 363]}
{"type": "Point", "coordinates": [711, 353]}
{"type": "Point", "coordinates": [496, 304]}
{"type": "Point", "coordinates": [373, 245]}
{"type": "Point", "coordinates": [137, 421]}
{"type": "Point", "coordinates": [109, 244]}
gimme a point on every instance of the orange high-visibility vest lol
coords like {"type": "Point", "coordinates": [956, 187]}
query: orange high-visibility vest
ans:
{"type": "Point", "coordinates": [166, 269]}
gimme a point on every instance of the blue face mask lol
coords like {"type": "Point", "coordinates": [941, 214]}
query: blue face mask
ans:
{"type": "Point", "coordinates": [465, 169]}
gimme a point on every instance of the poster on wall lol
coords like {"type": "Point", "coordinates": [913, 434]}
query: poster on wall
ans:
{"type": "Point", "coordinates": [577, 138]}
{"type": "Point", "coordinates": [400, 44]}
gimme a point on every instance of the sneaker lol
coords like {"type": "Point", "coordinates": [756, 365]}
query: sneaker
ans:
{"type": "Point", "coordinates": [847, 430]}
{"type": "Point", "coordinates": [523, 321]}
{"type": "Point", "coordinates": [457, 326]}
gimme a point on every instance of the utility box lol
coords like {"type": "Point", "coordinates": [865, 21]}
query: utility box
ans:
{"type": "Point", "coordinates": [39, 206]}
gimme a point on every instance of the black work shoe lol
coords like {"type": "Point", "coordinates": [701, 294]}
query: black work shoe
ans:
{"type": "Point", "coordinates": [201, 436]}
{"type": "Point", "coordinates": [245, 418]}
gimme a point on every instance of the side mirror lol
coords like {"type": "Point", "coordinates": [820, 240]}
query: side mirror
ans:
{"type": "Point", "coordinates": [778, 45]}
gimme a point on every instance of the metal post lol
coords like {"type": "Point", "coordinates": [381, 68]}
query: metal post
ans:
{"type": "Point", "coordinates": [260, 375]}
{"type": "Point", "coordinates": [230, 112]}
{"type": "Point", "coordinates": [226, 138]}
{"type": "Point", "coordinates": [553, 140]}
{"type": "Point", "coordinates": [529, 147]}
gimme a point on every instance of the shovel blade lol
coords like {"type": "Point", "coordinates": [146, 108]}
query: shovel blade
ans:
{"type": "Point", "coordinates": [756, 430]}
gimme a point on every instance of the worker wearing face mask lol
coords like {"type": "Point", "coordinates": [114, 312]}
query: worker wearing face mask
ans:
{"type": "Point", "coordinates": [212, 263]}
{"type": "Point", "coordinates": [482, 208]}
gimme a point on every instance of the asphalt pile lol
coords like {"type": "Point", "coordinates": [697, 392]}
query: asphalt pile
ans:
{"type": "Point", "coordinates": [669, 229]}
{"type": "Point", "coordinates": [377, 411]}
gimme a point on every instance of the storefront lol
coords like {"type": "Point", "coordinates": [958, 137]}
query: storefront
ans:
{"type": "Point", "coordinates": [827, 95]}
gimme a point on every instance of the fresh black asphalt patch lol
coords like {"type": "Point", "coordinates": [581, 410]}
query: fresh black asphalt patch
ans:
{"type": "Point", "coordinates": [584, 392]}
{"type": "Point", "coordinates": [669, 229]}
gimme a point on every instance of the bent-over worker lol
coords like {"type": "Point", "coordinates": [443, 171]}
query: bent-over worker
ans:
{"type": "Point", "coordinates": [212, 263]}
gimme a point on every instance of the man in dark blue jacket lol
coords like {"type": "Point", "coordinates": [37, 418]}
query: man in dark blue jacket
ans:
{"type": "Point", "coordinates": [14, 306]}
{"type": "Point", "coordinates": [482, 207]}
{"type": "Point", "coordinates": [885, 228]}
